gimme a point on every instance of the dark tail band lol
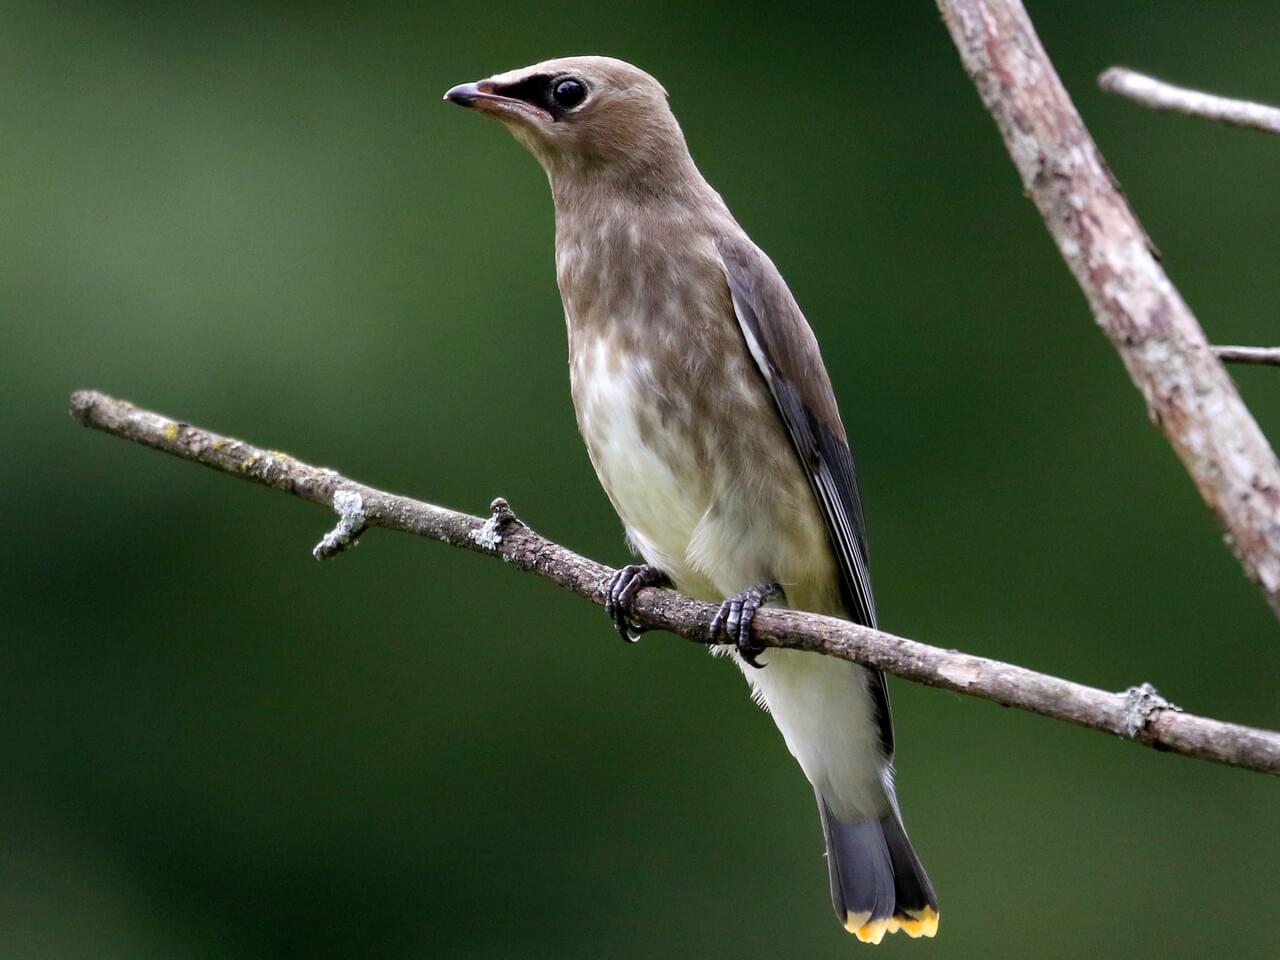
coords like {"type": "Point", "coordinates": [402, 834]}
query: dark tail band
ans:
{"type": "Point", "coordinates": [877, 883]}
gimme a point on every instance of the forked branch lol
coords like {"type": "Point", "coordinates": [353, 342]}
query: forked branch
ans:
{"type": "Point", "coordinates": [1138, 714]}
{"type": "Point", "coordinates": [1187, 391]}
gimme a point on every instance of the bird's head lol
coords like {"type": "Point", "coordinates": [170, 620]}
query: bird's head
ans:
{"type": "Point", "coordinates": [583, 115]}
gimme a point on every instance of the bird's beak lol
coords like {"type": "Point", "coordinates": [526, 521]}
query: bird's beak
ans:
{"type": "Point", "coordinates": [484, 96]}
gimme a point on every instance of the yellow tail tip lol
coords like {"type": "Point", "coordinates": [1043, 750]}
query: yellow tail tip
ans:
{"type": "Point", "coordinates": [915, 924]}
{"type": "Point", "coordinates": [921, 923]}
{"type": "Point", "coordinates": [865, 929]}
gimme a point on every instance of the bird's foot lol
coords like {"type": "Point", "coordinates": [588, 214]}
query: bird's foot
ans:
{"type": "Point", "coordinates": [621, 590]}
{"type": "Point", "coordinates": [732, 622]}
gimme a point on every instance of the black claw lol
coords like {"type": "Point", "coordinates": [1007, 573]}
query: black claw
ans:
{"type": "Point", "coordinates": [733, 621]}
{"type": "Point", "coordinates": [621, 590]}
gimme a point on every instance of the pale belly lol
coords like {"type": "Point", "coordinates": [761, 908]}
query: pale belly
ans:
{"type": "Point", "coordinates": [720, 507]}
{"type": "Point", "coordinates": [710, 493]}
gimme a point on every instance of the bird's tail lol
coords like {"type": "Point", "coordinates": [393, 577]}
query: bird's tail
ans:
{"type": "Point", "coordinates": [877, 883]}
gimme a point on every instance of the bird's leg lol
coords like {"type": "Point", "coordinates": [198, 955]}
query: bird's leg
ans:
{"type": "Point", "coordinates": [622, 589]}
{"type": "Point", "coordinates": [733, 620]}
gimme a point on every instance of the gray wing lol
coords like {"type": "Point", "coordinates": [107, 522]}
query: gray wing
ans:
{"type": "Point", "coordinates": [784, 348]}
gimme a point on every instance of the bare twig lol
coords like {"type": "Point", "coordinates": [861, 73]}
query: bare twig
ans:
{"type": "Point", "coordinates": [1137, 714]}
{"type": "Point", "coordinates": [1187, 391]}
{"type": "Point", "coordinates": [1159, 95]}
{"type": "Point", "coordinates": [1269, 356]}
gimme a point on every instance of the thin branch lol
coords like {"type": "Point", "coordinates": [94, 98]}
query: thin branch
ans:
{"type": "Point", "coordinates": [1187, 391]}
{"type": "Point", "coordinates": [1159, 95]}
{"type": "Point", "coordinates": [1138, 714]}
{"type": "Point", "coordinates": [1268, 356]}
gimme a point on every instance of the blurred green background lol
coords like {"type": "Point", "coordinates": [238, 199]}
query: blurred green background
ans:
{"type": "Point", "coordinates": [259, 217]}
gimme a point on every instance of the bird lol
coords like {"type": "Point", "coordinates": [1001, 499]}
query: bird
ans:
{"type": "Point", "coordinates": [712, 425]}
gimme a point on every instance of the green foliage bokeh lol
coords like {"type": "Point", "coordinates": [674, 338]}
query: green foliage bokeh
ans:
{"type": "Point", "coordinates": [260, 218]}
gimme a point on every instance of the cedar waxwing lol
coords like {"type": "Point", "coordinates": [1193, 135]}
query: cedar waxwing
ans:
{"type": "Point", "coordinates": [711, 423]}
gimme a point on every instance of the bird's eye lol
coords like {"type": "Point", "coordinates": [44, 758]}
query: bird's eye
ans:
{"type": "Point", "coordinates": [569, 92]}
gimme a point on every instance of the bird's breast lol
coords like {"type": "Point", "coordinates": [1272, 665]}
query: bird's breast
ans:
{"type": "Point", "coordinates": [688, 445]}
{"type": "Point", "coordinates": [644, 446]}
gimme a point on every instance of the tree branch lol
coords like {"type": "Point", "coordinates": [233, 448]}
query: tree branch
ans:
{"type": "Point", "coordinates": [1138, 714]}
{"type": "Point", "coordinates": [1159, 95]}
{"type": "Point", "coordinates": [1188, 392]}
{"type": "Point", "coordinates": [1269, 356]}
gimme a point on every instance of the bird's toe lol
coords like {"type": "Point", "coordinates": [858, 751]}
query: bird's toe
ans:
{"type": "Point", "coordinates": [620, 592]}
{"type": "Point", "coordinates": [733, 621]}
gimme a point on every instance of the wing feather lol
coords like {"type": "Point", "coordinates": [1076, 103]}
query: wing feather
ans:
{"type": "Point", "coordinates": [786, 352]}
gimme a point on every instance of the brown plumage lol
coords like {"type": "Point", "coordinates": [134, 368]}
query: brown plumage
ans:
{"type": "Point", "coordinates": [711, 423]}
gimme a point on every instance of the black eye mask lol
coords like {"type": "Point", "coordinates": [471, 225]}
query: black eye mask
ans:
{"type": "Point", "coordinates": [555, 94]}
